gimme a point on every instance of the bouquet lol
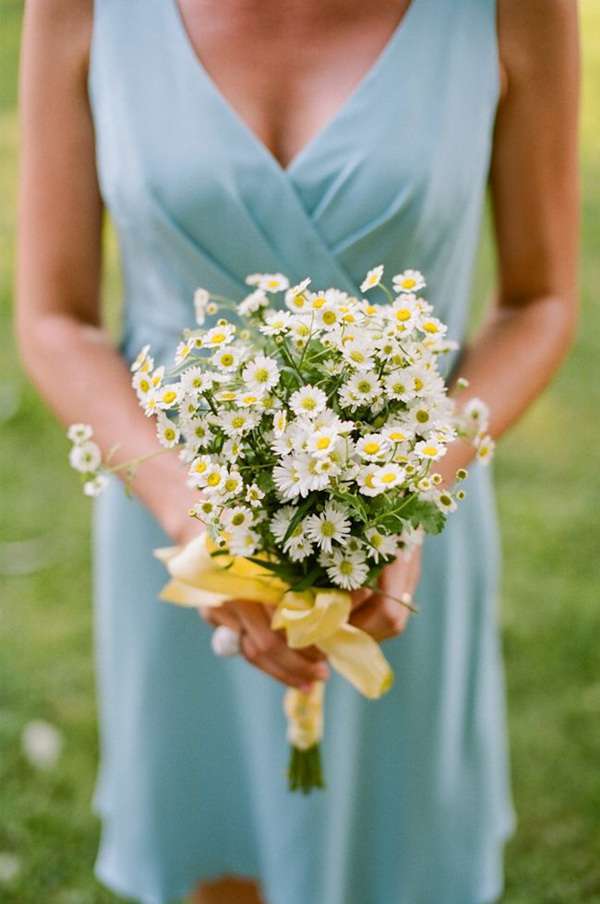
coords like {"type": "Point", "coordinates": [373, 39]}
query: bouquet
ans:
{"type": "Point", "coordinates": [310, 423]}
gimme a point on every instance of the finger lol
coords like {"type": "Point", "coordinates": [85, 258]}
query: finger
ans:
{"type": "Point", "coordinates": [270, 667]}
{"type": "Point", "coordinates": [360, 596]}
{"type": "Point", "coordinates": [220, 615]}
{"type": "Point", "coordinates": [271, 653]}
{"type": "Point", "coordinates": [382, 618]}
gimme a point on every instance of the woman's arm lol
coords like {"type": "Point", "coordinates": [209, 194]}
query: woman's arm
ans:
{"type": "Point", "coordinates": [64, 347]}
{"type": "Point", "coordinates": [534, 187]}
{"type": "Point", "coordinates": [535, 200]}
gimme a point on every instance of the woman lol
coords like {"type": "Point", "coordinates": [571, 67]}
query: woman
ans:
{"type": "Point", "coordinates": [311, 138]}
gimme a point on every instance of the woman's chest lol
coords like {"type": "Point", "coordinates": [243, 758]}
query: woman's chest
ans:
{"type": "Point", "coordinates": [286, 69]}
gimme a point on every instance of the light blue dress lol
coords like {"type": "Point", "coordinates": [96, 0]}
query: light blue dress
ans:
{"type": "Point", "coordinates": [193, 754]}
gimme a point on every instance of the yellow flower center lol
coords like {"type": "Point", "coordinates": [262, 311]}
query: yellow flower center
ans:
{"type": "Point", "coordinates": [329, 318]}
{"type": "Point", "coordinates": [403, 314]}
{"type": "Point", "coordinates": [169, 434]}
{"type": "Point", "coordinates": [430, 450]}
{"type": "Point", "coordinates": [214, 479]}
{"type": "Point", "coordinates": [418, 383]}
{"type": "Point", "coordinates": [238, 422]}
{"type": "Point", "coordinates": [169, 396]}
{"type": "Point", "coordinates": [422, 416]}
{"type": "Point", "coordinates": [372, 448]}
{"type": "Point", "coordinates": [308, 404]}
{"type": "Point", "coordinates": [430, 327]}
{"type": "Point", "coordinates": [218, 338]}
{"type": "Point", "coordinates": [408, 282]}
{"type": "Point", "coordinates": [388, 477]}
{"type": "Point", "coordinates": [227, 359]}
{"type": "Point", "coordinates": [200, 467]}
{"type": "Point", "coordinates": [231, 484]}
{"type": "Point", "coordinates": [323, 442]}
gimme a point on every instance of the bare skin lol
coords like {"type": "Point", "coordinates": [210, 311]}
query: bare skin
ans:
{"type": "Point", "coordinates": [286, 72]}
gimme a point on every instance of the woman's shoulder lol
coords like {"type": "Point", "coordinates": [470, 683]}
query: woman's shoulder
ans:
{"type": "Point", "coordinates": [530, 32]}
{"type": "Point", "coordinates": [63, 26]}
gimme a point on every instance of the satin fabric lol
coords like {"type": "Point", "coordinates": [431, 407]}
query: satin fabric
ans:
{"type": "Point", "coordinates": [192, 783]}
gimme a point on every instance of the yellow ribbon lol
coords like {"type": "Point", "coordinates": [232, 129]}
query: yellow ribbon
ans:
{"type": "Point", "coordinates": [314, 617]}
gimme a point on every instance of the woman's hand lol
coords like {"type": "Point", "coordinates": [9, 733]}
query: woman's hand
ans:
{"type": "Point", "coordinates": [380, 615]}
{"type": "Point", "coordinates": [266, 649]}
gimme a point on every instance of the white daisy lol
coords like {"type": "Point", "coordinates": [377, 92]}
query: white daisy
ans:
{"type": "Point", "coordinates": [358, 353]}
{"type": "Point", "coordinates": [168, 396]}
{"type": "Point", "coordinates": [308, 401]}
{"type": "Point", "coordinates": [372, 279]}
{"type": "Point", "coordinates": [476, 414]}
{"type": "Point", "coordinates": [396, 432]}
{"type": "Point", "coordinates": [79, 433]}
{"type": "Point", "coordinates": [261, 374]}
{"type": "Point", "coordinates": [364, 387]}
{"type": "Point", "coordinates": [226, 359]}
{"type": "Point", "coordinates": [218, 335]}
{"type": "Point", "coordinates": [233, 449]}
{"type": "Point", "coordinates": [445, 501]}
{"type": "Point", "coordinates": [372, 447]}
{"type": "Point", "coordinates": [348, 570]}
{"type": "Point", "coordinates": [485, 448]}
{"type": "Point", "coordinates": [281, 521]}
{"type": "Point", "coordinates": [389, 476]}
{"type": "Point", "coordinates": [85, 457]}
{"type": "Point", "coordinates": [321, 442]}
{"type": "Point", "coordinates": [237, 423]}
{"type": "Point", "coordinates": [380, 546]}
{"type": "Point", "coordinates": [183, 351]}
{"type": "Point", "coordinates": [276, 322]}
{"type": "Point", "coordinates": [142, 383]}
{"type": "Point", "coordinates": [243, 543]}
{"type": "Point", "coordinates": [280, 422]}
{"type": "Point", "coordinates": [299, 548]}
{"type": "Point", "coordinates": [143, 361]}
{"type": "Point", "coordinates": [214, 478]}
{"type": "Point", "coordinates": [237, 517]}
{"type": "Point", "coordinates": [398, 386]}
{"type": "Point", "coordinates": [167, 432]}
{"type": "Point", "coordinates": [195, 380]}
{"type": "Point", "coordinates": [331, 526]}
{"type": "Point", "coordinates": [273, 282]}
{"type": "Point", "coordinates": [365, 478]}
{"type": "Point", "coordinates": [408, 281]}
{"type": "Point", "coordinates": [252, 303]}
{"type": "Point", "coordinates": [287, 477]}
{"type": "Point", "coordinates": [432, 326]}
{"type": "Point", "coordinates": [96, 486]}
{"type": "Point", "coordinates": [254, 495]}
{"type": "Point", "coordinates": [428, 449]}
{"type": "Point", "coordinates": [199, 469]}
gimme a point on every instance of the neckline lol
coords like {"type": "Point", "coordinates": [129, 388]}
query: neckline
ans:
{"type": "Point", "coordinates": [310, 146]}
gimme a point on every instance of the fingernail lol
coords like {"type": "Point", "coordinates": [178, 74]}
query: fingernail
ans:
{"type": "Point", "coordinates": [306, 688]}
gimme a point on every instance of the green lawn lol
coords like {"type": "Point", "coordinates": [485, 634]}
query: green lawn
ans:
{"type": "Point", "coordinates": [549, 500]}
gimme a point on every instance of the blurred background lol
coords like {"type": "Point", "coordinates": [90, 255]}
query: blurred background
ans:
{"type": "Point", "coordinates": [549, 498]}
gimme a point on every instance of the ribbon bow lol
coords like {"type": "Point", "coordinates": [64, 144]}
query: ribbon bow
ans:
{"type": "Point", "coordinates": [315, 616]}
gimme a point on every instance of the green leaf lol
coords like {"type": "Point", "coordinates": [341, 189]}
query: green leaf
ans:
{"type": "Point", "coordinates": [298, 516]}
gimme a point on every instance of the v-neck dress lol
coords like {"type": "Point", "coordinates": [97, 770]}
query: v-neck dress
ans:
{"type": "Point", "coordinates": [193, 750]}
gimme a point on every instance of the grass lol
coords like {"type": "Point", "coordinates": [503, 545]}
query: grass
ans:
{"type": "Point", "coordinates": [548, 497]}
